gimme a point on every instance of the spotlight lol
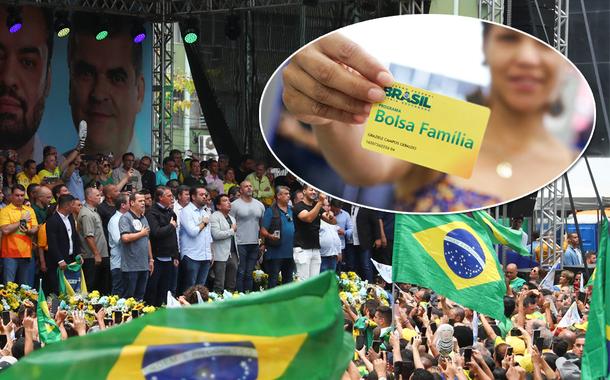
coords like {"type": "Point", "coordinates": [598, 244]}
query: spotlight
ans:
{"type": "Point", "coordinates": [232, 27]}
{"type": "Point", "coordinates": [62, 25]}
{"type": "Point", "coordinates": [191, 32]}
{"type": "Point", "coordinates": [14, 22]}
{"type": "Point", "coordinates": [102, 30]}
{"type": "Point", "coordinates": [138, 32]}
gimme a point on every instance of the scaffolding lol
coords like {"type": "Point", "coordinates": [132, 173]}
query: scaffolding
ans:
{"type": "Point", "coordinates": [163, 88]}
{"type": "Point", "coordinates": [410, 7]}
{"type": "Point", "coordinates": [491, 10]}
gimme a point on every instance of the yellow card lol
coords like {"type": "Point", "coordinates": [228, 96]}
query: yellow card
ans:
{"type": "Point", "coordinates": [427, 129]}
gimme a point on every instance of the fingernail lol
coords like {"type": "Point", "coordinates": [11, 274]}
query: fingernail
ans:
{"type": "Point", "coordinates": [359, 118]}
{"type": "Point", "coordinates": [376, 94]}
{"type": "Point", "coordinates": [384, 78]}
{"type": "Point", "coordinates": [367, 108]}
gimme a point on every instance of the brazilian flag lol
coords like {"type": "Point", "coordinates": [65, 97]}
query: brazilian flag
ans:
{"type": "Point", "coordinates": [47, 328]}
{"type": "Point", "coordinates": [291, 332]}
{"type": "Point", "coordinates": [72, 279]}
{"type": "Point", "coordinates": [500, 234]}
{"type": "Point", "coordinates": [596, 354]}
{"type": "Point", "coordinates": [453, 255]}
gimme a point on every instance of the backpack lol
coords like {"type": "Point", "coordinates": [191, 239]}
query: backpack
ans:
{"type": "Point", "coordinates": [275, 225]}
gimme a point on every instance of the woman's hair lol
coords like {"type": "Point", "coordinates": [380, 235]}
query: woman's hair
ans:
{"type": "Point", "coordinates": [191, 294]}
{"type": "Point", "coordinates": [569, 275]}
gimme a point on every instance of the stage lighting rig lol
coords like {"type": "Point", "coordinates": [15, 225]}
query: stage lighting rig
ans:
{"type": "Point", "coordinates": [191, 32]}
{"type": "Point", "coordinates": [62, 24]}
{"type": "Point", "coordinates": [138, 32]}
{"type": "Point", "coordinates": [14, 21]}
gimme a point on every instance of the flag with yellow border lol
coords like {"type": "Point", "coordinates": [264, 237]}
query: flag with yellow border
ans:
{"type": "Point", "coordinates": [454, 256]}
{"type": "Point", "coordinates": [290, 332]}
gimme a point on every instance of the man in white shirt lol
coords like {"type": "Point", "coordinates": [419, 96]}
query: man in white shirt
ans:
{"type": "Point", "coordinates": [114, 240]}
{"type": "Point", "coordinates": [195, 239]}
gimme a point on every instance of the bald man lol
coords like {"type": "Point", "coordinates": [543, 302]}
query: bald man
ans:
{"type": "Point", "coordinates": [43, 198]}
{"type": "Point", "coordinates": [106, 209]}
{"type": "Point", "coordinates": [516, 283]}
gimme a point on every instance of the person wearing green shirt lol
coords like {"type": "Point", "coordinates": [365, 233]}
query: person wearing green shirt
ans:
{"type": "Point", "coordinates": [516, 283]}
{"type": "Point", "coordinates": [263, 191]}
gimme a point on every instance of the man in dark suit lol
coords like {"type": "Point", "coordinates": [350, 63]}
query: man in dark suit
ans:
{"type": "Point", "coordinates": [62, 239]}
{"type": "Point", "coordinates": [368, 237]}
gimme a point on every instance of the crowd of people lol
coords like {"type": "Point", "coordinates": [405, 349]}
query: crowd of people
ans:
{"type": "Point", "coordinates": [139, 233]}
{"type": "Point", "coordinates": [198, 225]}
{"type": "Point", "coordinates": [422, 335]}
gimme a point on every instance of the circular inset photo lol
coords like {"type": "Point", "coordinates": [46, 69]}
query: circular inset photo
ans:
{"type": "Point", "coordinates": [427, 114]}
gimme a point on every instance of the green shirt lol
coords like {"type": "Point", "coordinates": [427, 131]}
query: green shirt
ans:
{"type": "Point", "coordinates": [517, 284]}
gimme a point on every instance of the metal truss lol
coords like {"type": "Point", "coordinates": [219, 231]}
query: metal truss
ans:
{"type": "Point", "coordinates": [410, 7]}
{"type": "Point", "coordinates": [560, 32]}
{"type": "Point", "coordinates": [491, 10]}
{"type": "Point", "coordinates": [149, 9]}
{"type": "Point", "coordinates": [163, 88]}
{"type": "Point", "coordinates": [181, 8]}
{"type": "Point", "coordinates": [550, 215]}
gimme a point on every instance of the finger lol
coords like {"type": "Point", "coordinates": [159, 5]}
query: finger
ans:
{"type": "Point", "coordinates": [327, 72]}
{"type": "Point", "coordinates": [342, 49]}
{"type": "Point", "coordinates": [313, 112]}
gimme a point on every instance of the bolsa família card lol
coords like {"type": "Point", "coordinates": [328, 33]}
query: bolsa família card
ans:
{"type": "Point", "coordinates": [427, 129]}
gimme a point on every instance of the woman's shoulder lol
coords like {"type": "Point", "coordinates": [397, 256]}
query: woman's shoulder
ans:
{"type": "Point", "coordinates": [443, 195]}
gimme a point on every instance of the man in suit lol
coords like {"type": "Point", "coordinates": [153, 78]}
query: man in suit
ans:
{"type": "Point", "coordinates": [63, 240]}
{"type": "Point", "coordinates": [223, 227]}
{"type": "Point", "coordinates": [366, 235]}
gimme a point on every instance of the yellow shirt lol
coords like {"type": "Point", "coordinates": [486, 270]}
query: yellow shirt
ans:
{"type": "Point", "coordinates": [17, 244]}
{"type": "Point", "coordinates": [23, 180]}
{"type": "Point", "coordinates": [44, 173]}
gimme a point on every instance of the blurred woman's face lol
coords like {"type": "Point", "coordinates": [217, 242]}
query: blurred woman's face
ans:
{"type": "Point", "coordinates": [230, 175]}
{"type": "Point", "coordinates": [10, 168]}
{"type": "Point", "coordinates": [524, 72]}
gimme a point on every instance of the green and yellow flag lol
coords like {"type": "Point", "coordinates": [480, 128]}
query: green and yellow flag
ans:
{"type": "Point", "coordinates": [500, 234]}
{"type": "Point", "coordinates": [47, 328]}
{"type": "Point", "coordinates": [72, 279]}
{"type": "Point", "coordinates": [453, 255]}
{"type": "Point", "coordinates": [290, 332]}
{"type": "Point", "coordinates": [597, 341]}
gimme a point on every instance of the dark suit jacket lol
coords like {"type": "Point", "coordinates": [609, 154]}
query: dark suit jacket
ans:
{"type": "Point", "coordinates": [57, 238]}
{"type": "Point", "coordinates": [367, 223]}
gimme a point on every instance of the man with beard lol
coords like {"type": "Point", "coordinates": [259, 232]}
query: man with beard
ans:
{"type": "Point", "coordinates": [106, 83]}
{"type": "Point", "coordinates": [25, 79]}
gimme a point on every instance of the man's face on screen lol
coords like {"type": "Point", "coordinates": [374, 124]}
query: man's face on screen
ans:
{"type": "Point", "coordinates": [105, 91]}
{"type": "Point", "coordinates": [24, 77]}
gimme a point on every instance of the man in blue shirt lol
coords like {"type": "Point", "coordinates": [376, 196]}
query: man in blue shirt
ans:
{"type": "Point", "coordinates": [277, 228]}
{"type": "Point", "coordinates": [195, 239]}
{"type": "Point", "coordinates": [167, 173]}
{"type": "Point", "coordinates": [572, 256]}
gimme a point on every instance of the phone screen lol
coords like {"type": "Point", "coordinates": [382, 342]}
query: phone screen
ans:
{"type": "Point", "coordinates": [536, 334]}
{"type": "Point", "coordinates": [509, 351]}
{"type": "Point", "coordinates": [118, 317]}
{"type": "Point", "coordinates": [467, 355]}
{"type": "Point", "coordinates": [135, 314]}
{"type": "Point", "coordinates": [539, 343]}
{"type": "Point", "coordinates": [376, 345]}
{"type": "Point", "coordinates": [360, 340]}
{"type": "Point", "coordinates": [6, 317]}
